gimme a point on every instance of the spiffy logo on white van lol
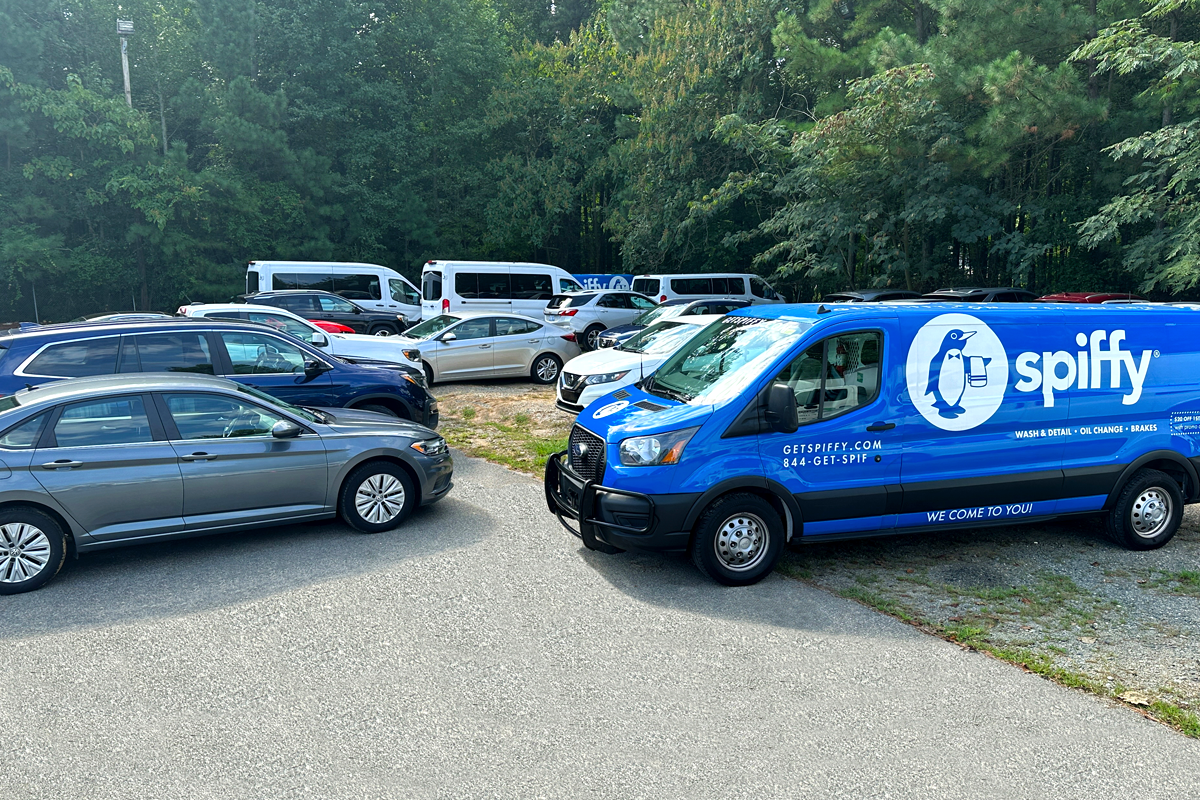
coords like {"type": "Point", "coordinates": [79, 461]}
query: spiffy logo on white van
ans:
{"type": "Point", "coordinates": [1084, 368]}
{"type": "Point", "coordinates": [957, 370]}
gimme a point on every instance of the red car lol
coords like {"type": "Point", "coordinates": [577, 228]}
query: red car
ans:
{"type": "Point", "coordinates": [331, 327]}
{"type": "Point", "coordinates": [1088, 297]}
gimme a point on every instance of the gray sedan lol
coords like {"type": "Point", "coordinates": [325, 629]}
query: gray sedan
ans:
{"type": "Point", "coordinates": [102, 462]}
{"type": "Point", "coordinates": [470, 345]}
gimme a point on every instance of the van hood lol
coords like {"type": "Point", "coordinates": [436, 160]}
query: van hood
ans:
{"type": "Point", "coordinates": [616, 419]}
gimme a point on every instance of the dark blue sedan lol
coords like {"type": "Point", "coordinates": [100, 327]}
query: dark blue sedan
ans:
{"type": "Point", "coordinates": [253, 355]}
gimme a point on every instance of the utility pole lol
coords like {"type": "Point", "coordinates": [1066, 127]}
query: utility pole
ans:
{"type": "Point", "coordinates": [125, 27]}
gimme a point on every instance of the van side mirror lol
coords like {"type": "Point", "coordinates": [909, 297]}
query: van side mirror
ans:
{"type": "Point", "coordinates": [781, 414]}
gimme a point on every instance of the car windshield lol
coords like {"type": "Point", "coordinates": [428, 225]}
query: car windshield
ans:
{"type": "Point", "coordinates": [8, 403]}
{"type": "Point", "coordinates": [569, 300]}
{"type": "Point", "coordinates": [661, 338]}
{"type": "Point", "coordinates": [723, 359]}
{"type": "Point", "coordinates": [275, 401]}
{"type": "Point", "coordinates": [431, 327]}
{"type": "Point", "coordinates": [660, 312]}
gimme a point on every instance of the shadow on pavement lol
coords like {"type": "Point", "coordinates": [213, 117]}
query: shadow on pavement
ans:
{"type": "Point", "coordinates": [170, 579]}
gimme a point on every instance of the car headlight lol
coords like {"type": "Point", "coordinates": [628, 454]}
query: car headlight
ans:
{"type": "Point", "coordinates": [431, 447]}
{"type": "Point", "coordinates": [652, 451]}
{"type": "Point", "coordinates": [607, 377]}
{"type": "Point", "coordinates": [411, 355]}
{"type": "Point", "coordinates": [416, 380]}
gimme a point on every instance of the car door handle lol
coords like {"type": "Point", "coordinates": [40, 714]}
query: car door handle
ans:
{"type": "Point", "coordinates": [62, 464]}
{"type": "Point", "coordinates": [881, 426]}
{"type": "Point", "coordinates": [534, 341]}
{"type": "Point", "coordinates": [198, 457]}
{"type": "Point", "coordinates": [484, 346]}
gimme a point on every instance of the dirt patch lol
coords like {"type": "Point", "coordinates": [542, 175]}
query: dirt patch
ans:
{"type": "Point", "coordinates": [509, 422]}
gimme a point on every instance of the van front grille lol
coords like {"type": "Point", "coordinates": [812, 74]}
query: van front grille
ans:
{"type": "Point", "coordinates": [585, 451]}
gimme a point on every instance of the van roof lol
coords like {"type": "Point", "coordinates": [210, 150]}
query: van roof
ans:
{"type": "Point", "coordinates": [436, 265]}
{"type": "Point", "coordinates": [322, 264]}
{"type": "Point", "coordinates": [812, 312]}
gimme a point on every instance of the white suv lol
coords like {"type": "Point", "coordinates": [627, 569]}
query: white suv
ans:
{"type": "Point", "coordinates": [588, 314]}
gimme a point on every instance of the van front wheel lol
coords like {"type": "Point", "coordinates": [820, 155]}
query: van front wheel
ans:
{"type": "Point", "coordinates": [738, 540]}
{"type": "Point", "coordinates": [1147, 512]}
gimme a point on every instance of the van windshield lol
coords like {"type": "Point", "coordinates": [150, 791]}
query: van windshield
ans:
{"type": "Point", "coordinates": [431, 327]}
{"type": "Point", "coordinates": [720, 362]}
{"type": "Point", "coordinates": [661, 338]}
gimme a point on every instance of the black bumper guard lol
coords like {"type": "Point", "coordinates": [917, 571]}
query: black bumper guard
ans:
{"type": "Point", "coordinates": [583, 516]}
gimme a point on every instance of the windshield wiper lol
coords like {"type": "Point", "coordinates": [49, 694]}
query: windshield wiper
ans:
{"type": "Point", "coordinates": [651, 386]}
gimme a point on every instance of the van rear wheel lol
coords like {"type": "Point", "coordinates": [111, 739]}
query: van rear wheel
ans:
{"type": "Point", "coordinates": [1147, 512]}
{"type": "Point", "coordinates": [738, 540]}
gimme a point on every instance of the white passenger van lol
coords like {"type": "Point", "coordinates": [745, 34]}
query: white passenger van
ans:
{"type": "Point", "coordinates": [739, 285]}
{"type": "Point", "coordinates": [369, 285]}
{"type": "Point", "coordinates": [500, 286]}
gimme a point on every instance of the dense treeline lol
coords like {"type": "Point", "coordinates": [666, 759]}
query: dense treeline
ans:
{"type": "Point", "coordinates": [827, 144]}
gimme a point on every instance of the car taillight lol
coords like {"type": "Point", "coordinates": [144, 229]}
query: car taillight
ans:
{"type": "Point", "coordinates": [568, 312]}
{"type": "Point", "coordinates": [445, 305]}
{"type": "Point", "coordinates": [570, 337]}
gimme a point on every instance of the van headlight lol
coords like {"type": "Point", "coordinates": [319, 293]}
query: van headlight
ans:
{"type": "Point", "coordinates": [607, 377]}
{"type": "Point", "coordinates": [656, 450]}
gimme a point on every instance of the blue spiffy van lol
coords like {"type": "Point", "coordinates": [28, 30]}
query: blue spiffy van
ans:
{"type": "Point", "coordinates": [817, 423]}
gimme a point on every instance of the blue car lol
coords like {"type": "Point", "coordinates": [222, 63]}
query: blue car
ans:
{"type": "Point", "coordinates": [815, 423]}
{"type": "Point", "coordinates": [253, 355]}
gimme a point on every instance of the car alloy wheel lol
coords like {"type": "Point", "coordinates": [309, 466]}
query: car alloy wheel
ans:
{"type": "Point", "coordinates": [24, 552]}
{"type": "Point", "coordinates": [547, 369]}
{"type": "Point", "coordinates": [379, 499]}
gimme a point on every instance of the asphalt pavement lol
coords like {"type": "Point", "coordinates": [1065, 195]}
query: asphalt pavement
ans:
{"type": "Point", "coordinates": [479, 651]}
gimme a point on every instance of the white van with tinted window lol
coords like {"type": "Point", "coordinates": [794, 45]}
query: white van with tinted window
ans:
{"type": "Point", "coordinates": [740, 286]}
{"type": "Point", "coordinates": [500, 286]}
{"type": "Point", "coordinates": [369, 285]}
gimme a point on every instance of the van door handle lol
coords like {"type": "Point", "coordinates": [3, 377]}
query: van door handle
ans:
{"type": "Point", "coordinates": [62, 464]}
{"type": "Point", "coordinates": [198, 457]}
{"type": "Point", "coordinates": [881, 426]}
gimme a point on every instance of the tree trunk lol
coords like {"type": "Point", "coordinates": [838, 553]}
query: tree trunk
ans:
{"type": "Point", "coordinates": [162, 117]}
{"type": "Point", "coordinates": [921, 17]}
{"type": "Point", "coordinates": [1093, 83]}
{"type": "Point", "coordinates": [141, 264]}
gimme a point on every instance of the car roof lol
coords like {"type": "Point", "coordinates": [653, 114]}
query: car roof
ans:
{"type": "Point", "coordinates": [866, 295]}
{"type": "Point", "coordinates": [241, 307]}
{"type": "Point", "coordinates": [126, 382]}
{"type": "Point", "coordinates": [117, 327]}
{"type": "Point", "coordinates": [466, 315]}
{"type": "Point", "coordinates": [273, 292]}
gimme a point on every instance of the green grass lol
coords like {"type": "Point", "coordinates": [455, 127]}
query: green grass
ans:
{"type": "Point", "coordinates": [1186, 722]}
{"type": "Point", "coordinates": [511, 443]}
{"type": "Point", "coordinates": [1183, 582]}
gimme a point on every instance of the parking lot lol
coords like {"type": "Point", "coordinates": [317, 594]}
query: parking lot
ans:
{"type": "Point", "coordinates": [479, 651]}
{"type": "Point", "coordinates": [1058, 598]}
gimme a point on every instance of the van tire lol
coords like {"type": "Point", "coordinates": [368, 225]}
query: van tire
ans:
{"type": "Point", "coordinates": [1147, 512]}
{"type": "Point", "coordinates": [738, 527]}
{"type": "Point", "coordinates": [44, 538]}
{"type": "Point", "coordinates": [588, 341]}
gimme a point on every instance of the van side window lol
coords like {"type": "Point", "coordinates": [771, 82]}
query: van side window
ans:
{"type": "Point", "coordinates": [691, 285]}
{"type": "Point", "coordinates": [357, 287]}
{"type": "Point", "coordinates": [531, 286]}
{"type": "Point", "coordinates": [322, 281]}
{"type": "Point", "coordinates": [567, 285]}
{"type": "Point", "coordinates": [729, 286]}
{"type": "Point", "coordinates": [834, 376]}
{"type": "Point", "coordinates": [759, 288]}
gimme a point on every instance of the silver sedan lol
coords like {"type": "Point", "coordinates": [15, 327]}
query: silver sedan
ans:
{"type": "Point", "coordinates": [93, 463]}
{"type": "Point", "coordinates": [466, 346]}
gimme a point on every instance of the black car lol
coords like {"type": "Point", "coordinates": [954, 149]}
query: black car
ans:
{"type": "Point", "coordinates": [973, 294]}
{"type": "Point", "coordinates": [329, 307]}
{"type": "Point", "coordinates": [870, 296]}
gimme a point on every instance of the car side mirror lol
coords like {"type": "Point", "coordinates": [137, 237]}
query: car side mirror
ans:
{"type": "Point", "coordinates": [782, 415]}
{"type": "Point", "coordinates": [314, 367]}
{"type": "Point", "coordinates": [286, 429]}
{"type": "Point", "coordinates": [357, 310]}
{"type": "Point", "coordinates": [449, 337]}
{"type": "Point", "coordinates": [320, 340]}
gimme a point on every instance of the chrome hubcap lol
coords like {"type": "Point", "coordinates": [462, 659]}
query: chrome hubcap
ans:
{"type": "Point", "coordinates": [379, 499]}
{"type": "Point", "coordinates": [741, 542]}
{"type": "Point", "coordinates": [1151, 512]}
{"type": "Point", "coordinates": [547, 369]}
{"type": "Point", "coordinates": [24, 552]}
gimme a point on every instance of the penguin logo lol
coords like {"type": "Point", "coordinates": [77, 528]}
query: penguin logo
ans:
{"type": "Point", "coordinates": [957, 372]}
